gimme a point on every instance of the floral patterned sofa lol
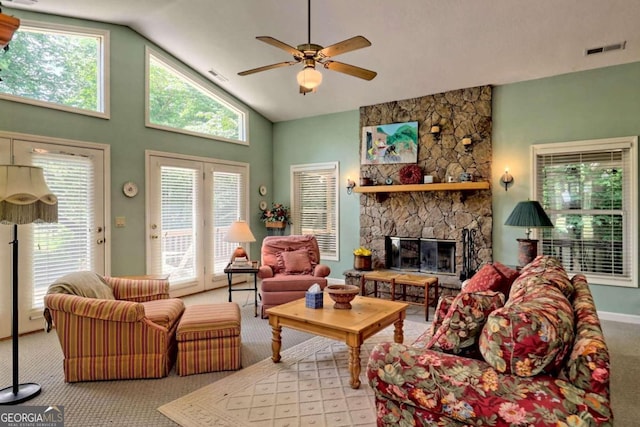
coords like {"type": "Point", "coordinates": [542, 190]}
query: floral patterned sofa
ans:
{"type": "Point", "coordinates": [538, 360]}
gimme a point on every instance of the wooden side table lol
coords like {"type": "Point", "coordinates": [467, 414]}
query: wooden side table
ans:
{"type": "Point", "coordinates": [415, 280]}
{"type": "Point", "coordinates": [253, 269]}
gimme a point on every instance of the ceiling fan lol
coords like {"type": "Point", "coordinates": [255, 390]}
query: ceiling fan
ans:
{"type": "Point", "coordinates": [311, 54]}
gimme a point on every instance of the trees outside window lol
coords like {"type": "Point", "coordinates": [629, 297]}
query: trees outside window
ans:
{"type": "Point", "coordinates": [178, 101]}
{"type": "Point", "coordinates": [56, 66]}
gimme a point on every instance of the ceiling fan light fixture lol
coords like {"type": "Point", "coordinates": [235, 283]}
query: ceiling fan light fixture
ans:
{"type": "Point", "coordinates": [309, 77]}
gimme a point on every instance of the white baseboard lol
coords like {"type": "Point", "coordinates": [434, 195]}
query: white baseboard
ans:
{"type": "Point", "coordinates": [619, 317]}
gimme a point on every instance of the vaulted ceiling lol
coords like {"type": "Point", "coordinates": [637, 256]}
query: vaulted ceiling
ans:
{"type": "Point", "coordinates": [419, 47]}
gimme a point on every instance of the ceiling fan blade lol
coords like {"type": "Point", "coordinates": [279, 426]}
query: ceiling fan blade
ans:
{"type": "Point", "coordinates": [357, 42]}
{"type": "Point", "coordinates": [267, 67]}
{"type": "Point", "coordinates": [281, 45]}
{"type": "Point", "coordinates": [352, 70]}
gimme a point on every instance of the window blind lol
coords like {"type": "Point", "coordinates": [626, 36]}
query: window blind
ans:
{"type": "Point", "coordinates": [315, 205]}
{"type": "Point", "coordinates": [587, 196]}
{"type": "Point", "coordinates": [229, 205]}
{"type": "Point", "coordinates": [179, 219]}
{"type": "Point", "coordinates": [68, 245]}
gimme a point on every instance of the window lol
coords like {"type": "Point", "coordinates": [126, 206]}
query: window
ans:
{"type": "Point", "coordinates": [586, 188]}
{"type": "Point", "coordinates": [315, 205]}
{"type": "Point", "coordinates": [181, 102]}
{"type": "Point", "coordinates": [59, 67]}
{"type": "Point", "coordinates": [191, 203]}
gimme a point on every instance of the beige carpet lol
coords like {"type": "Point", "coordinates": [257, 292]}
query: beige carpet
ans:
{"type": "Point", "coordinates": [309, 387]}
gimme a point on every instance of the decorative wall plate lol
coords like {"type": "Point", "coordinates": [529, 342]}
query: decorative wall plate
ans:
{"type": "Point", "coordinates": [262, 190]}
{"type": "Point", "coordinates": [263, 205]}
{"type": "Point", "coordinates": [130, 189]}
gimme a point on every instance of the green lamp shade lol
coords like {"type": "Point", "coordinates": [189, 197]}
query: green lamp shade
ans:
{"type": "Point", "coordinates": [529, 214]}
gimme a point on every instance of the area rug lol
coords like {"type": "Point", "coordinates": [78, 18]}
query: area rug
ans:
{"type": "Point", "coordinates": [309, 387]}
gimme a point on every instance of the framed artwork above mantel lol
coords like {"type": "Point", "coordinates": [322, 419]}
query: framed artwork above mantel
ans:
{"type": "Point", "coordinates": [389, 144]}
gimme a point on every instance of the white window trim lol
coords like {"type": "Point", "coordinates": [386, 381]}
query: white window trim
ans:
{"type": "Point", "coordinates": [630, 142]}
{"type": "Point", "coordinates": [312, 167]}
{"type": "Point", "coordinates": [104, 67]}
{"type": "Point", "coordinates": [204, 86]}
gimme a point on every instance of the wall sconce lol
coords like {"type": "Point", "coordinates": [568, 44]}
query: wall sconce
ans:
{"type": "Point", "coordinates": [435, 130]}
{"type": "Point", "coordinates": [350, 185]}
{"type": "Point", "coordinates": [506, 179]}
{"type": "Point", "coordinates": [466, 142]}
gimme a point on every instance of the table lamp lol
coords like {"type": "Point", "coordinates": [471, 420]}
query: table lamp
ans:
{"type": "Point", "coordinates": [239, 232]}
{"type": "Point", "coordinates": [528, 214]}
{"type": "Point", "coordinates": [24, 199]}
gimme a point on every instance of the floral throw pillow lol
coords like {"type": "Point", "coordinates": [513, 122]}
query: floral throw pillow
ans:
{"type": "Point", "coordinates": [441, 312]}
{"type": "Point", "coordinates": [463, 323]}
{"type": "Point", "coordinates": [551, 269]}
{"type": "Point", "coordinates": [532, 333]}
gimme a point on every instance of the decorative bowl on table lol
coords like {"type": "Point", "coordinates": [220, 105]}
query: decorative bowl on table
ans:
{"type": "Point", "coordinates": [342, 295]}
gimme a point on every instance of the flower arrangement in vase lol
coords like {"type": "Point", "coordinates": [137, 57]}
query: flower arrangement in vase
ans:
{"type": "Point", "coordinates": [362, 259]}
{"type": "Point", "coordinates": [276, 217]}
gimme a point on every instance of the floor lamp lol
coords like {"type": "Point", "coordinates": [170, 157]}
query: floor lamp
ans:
{"type": "Point", "coordinates": [24, 199]}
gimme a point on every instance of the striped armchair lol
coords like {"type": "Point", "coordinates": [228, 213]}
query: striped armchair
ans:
{"type": "Point", "coordinates": [129, 336]}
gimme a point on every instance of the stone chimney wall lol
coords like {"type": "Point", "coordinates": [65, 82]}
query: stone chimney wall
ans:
{"type": "Point", "coordinates": [434, 214]}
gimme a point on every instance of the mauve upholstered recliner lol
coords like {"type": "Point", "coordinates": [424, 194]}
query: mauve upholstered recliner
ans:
{"type": "Point", "coordinates": [289, 266]}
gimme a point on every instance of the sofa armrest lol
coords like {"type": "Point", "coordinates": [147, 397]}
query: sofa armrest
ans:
{"type": "Point", "coordinates": [101, 309]}
{"type": "Point", "coordinates": [472, 392]}
{"type": "Point", "coordinates": [138, 290]}
{"type": "Point", "coordinates": [321, 270]}
{"type": "Point", "coordinates": [265, 272]}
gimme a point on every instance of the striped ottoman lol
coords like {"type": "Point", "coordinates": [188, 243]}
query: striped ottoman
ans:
{"type": "Point", "coordinates": [208, 339]}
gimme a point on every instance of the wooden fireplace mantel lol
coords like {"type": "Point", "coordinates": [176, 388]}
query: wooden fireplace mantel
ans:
{"type": "Point", "coordinates": [382, 191]}
{"type": "Point", "coordinates": [441, 186]}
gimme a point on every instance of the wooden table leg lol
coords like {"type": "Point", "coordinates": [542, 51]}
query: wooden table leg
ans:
{"type": "Point", "coordinates": [354, 366]}
{"type": "Point", "coordinates": [398, 334]}
{"type": "Point", "coordinates": [276, 342]}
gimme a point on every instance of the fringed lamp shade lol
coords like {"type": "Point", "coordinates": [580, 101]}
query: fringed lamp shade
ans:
{"type": "Point", "coordinates": [528, 214]}
{"type": "Point", "coordinates": [25, 196]}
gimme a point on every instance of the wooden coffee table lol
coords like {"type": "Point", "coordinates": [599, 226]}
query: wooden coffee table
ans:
{"type": "Point", "coordinates": [367, 317]}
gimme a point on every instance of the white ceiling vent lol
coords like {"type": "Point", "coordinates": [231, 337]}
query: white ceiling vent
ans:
{"type": "Point", "coordinates": [216, 75]}
{"type": "Point", "coordinates": [602, 49]}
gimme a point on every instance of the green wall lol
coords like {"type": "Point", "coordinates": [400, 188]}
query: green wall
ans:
{"type": "Point", "coordinates": [602, 103]}
{"type": "Point", "coordinates": [328, 138]}
{"type": "Point", "coordinates": [128, 137]}
{"type": "Point", "coordinates": [595, 104]}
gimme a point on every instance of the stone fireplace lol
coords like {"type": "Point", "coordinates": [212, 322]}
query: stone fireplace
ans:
{"type": "Point", "coordinates": [434, 215]}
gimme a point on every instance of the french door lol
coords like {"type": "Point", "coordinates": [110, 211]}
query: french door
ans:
{"type": "Point", "coordinates": [75, 173]}
{"type": "Point", "coordinates": [191, 203]}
